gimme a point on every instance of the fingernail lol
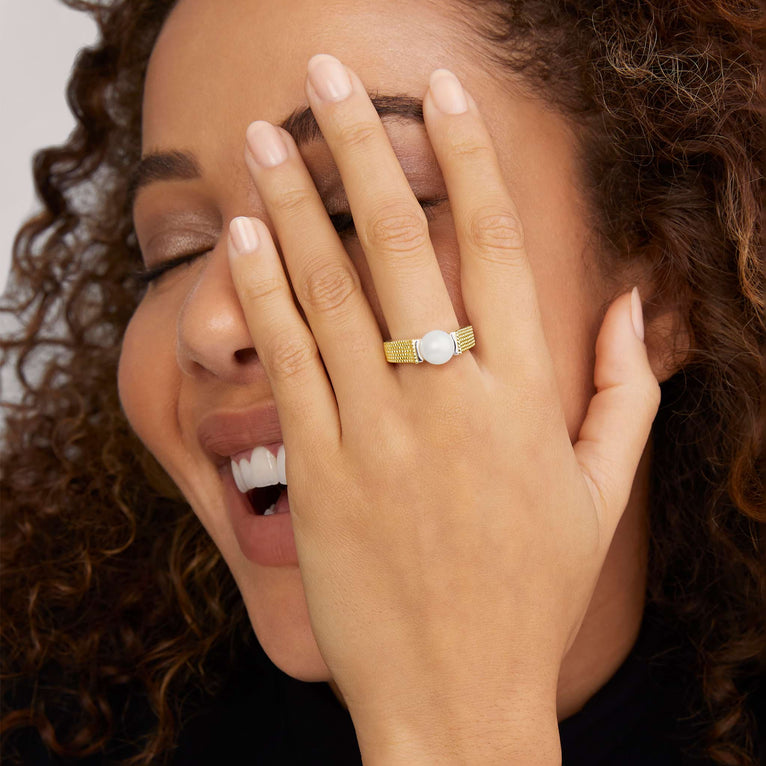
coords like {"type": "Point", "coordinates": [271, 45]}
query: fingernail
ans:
{"type": "Point", "coordinates": [329, 78]}
{"type": "Point", "coordinates": [244, 236]}
{"type": "Point", "coordinates": [637, 314]}
{"type": "Point", "coordinates": [447, 92]}
{"type": "Point", "coordinates": [266, 144]}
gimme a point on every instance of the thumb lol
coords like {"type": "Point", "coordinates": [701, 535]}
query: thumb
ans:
{"type": "Point", "coordinates": [619, 418]}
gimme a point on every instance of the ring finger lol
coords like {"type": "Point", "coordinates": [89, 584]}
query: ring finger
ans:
{"type": "Point", "coordinates": [390, 223]}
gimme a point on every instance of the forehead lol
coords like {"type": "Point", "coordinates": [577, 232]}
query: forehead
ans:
{"type": "Point", "coordinates": [219, 65]}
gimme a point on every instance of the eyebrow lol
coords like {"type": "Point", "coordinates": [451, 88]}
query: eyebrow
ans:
{"type": "Point", "coordinates": [301, 124]}
{"type": "Point", "coordinates": [303, 127]}
{"type": "Point", "coordinates": [162, 166]}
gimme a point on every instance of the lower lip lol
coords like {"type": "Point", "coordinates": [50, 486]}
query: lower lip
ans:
{"type": "Point", "coordinates": [264, 540]}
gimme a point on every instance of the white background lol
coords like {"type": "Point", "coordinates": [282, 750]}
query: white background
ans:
{"type": "Point", "coordinates": [38, 43]}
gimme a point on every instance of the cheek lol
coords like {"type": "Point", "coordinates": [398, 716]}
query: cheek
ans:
{"type": "Point", "coordinates": [276, 605]}
{"type": "Point", "coordinates": [570, 295]}
{"type": "Point", "coordinates": [150, 387]}
{"type": "Point", "coordinates": [148, 380]}
{"type": "Point", "coordinates": [571, 325]}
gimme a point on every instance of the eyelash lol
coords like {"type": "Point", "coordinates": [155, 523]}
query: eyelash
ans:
{"type": "Point", "coordinates": [145, 276]}
{"type": "Point", "coordinates": [343, 223]}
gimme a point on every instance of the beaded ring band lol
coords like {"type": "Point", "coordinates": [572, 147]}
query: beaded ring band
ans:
{"type": "Point", "coordinates": [435, 347]}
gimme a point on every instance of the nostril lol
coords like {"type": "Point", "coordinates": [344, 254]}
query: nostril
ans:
{"type": "Point", "coordinates": [245, 355]}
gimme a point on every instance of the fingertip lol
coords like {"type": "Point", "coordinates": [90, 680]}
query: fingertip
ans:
{"type": "Point", "coordinates": [243, 236]}
{"type": "Point", "coordinates": [447, 97]}
{"type": "Point", "coordinates": [614, 433]}
{"type": "Point", "coordinates": [329, 77]}
{"type": "Point", "coordinates": [447, 92]}
{"type": "Point", "coordinates": [620, 349]}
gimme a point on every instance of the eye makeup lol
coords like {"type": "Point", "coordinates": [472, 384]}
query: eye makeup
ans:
{"type": "Point", "coordinates": [146, 275]}
{"type": "Point", "coordinates": [177, 225]}
{"type": "Point", "coordinates": [171, 235]}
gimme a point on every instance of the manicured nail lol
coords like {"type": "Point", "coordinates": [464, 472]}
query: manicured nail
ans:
{"type": "Point", "coordinates": [243, 235]}
{"type": "Point", "coordinates": [448, 93]}
{"type": "Point", "coordinates": [637, 313]}
{"type": "Point", "coordinates": [329, 78]}
{"type": "Point", "coordinates": [266, 144]}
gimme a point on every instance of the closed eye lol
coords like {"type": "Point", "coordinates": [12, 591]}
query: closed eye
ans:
{"type": "Point", "coordinates": [146, 275]}
{"type": "Point", "coordinates": [342, 222]}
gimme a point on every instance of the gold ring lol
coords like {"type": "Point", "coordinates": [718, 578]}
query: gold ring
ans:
{"type": "Point", "coordinates": [435, 347]}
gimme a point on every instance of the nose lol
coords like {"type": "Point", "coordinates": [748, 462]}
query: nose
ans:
{"type": "Point", "coordinates": [212, 334]}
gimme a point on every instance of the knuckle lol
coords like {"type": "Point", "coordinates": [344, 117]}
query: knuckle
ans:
{"type": "Point", "coordinates": [328, 288]}
{"type": "Point", "coordinates": [496, 231]}
{"type": "Point", "coordinates": [261, 289]}
{"type": "Point", "coordinates": [469, 150]}
{"type": "Point", "coordinates": [645, 393]}
{"type": "Point", "coordinates": [394, 448]}
{"type": "Point", "coordinates": [290, 356]}
{"type": "Point", "coordinates": [357, 134]}
{"type": "Point", "coordinates": [291, 201]}
{"type": "Point", "coordinates": [397, 228]}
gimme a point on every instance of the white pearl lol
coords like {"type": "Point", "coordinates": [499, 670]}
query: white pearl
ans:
{"type": "Point", "coordinates": [437, 347]}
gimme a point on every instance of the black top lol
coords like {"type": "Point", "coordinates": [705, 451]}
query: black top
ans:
{"type": "Point", "coordinates": [636, 719]}
{"type": "Point", "coordinates": [265, 717]}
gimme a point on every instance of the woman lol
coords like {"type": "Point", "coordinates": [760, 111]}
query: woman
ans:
{"type": "Point", "coordinates": [484, 555]}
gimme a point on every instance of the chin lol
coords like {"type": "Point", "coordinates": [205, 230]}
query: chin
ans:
{"type": "Point", "coordinates": [276, 605]}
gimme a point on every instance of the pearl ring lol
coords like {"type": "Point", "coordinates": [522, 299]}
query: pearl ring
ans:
{"type": "Point", "coordinates": [435, 347]}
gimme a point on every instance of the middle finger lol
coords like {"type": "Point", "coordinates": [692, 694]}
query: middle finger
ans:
{"type": "Point", "coordinates": [321, 272]}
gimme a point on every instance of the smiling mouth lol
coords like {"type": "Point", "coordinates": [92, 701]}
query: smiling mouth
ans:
{"type": "Point", "coordinates": [260, 476]}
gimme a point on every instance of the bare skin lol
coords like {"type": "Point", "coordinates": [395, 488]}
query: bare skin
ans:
{"type": "Point", "coordinates": [536, 304]}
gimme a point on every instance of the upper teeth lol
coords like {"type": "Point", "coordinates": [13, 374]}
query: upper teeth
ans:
{"type": "Point", "coordinates": [262, 469]}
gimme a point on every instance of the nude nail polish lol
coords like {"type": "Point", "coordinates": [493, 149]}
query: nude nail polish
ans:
{"type": "Point", "coordinates": [266, 144]}
{"type": "Point", "coordinates": [448, 93]}
{"type": "Point", "coordinates": [329, 78]}
{"type": "Point", "coordinates": [244, 236]}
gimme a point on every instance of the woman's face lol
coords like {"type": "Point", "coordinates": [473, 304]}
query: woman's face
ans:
{"type": "Point", "coordinates": [187, 353]}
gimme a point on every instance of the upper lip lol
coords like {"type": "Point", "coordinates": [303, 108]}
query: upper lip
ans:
{"type": "Point", "coordinates": [226, 432]}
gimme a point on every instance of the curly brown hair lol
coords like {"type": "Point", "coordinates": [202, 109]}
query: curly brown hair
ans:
{"type": "Point", "coordinates": [117, 606]}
